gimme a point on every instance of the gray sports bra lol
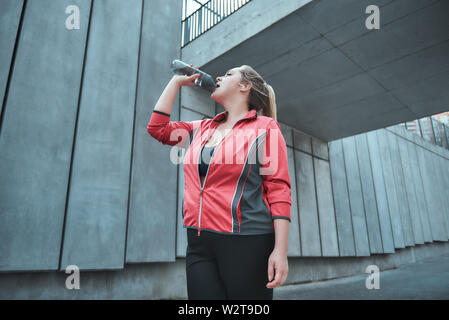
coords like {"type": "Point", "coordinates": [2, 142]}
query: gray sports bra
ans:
{"type": "Point", "coordinates": [206, 155]}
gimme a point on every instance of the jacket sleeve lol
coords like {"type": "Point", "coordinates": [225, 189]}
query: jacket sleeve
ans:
{"type": "Point", "coordinates": [171, 132]}
{"type": "Point", "coordinates": [274, 172]}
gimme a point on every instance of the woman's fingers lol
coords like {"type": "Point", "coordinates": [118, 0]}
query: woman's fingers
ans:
{"type": "Point", "coordinates": [280, 275]}
{"type": "Point", "coordinates": [270, 271]}
{"type": "Point", "coordinates": [277, 280]}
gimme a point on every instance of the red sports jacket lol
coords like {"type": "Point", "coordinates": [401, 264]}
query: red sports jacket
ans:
{"type": "Point", "coordinates": [247, 184]}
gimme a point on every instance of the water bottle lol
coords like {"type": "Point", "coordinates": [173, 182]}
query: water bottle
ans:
{"type": "Point", "coordinates": [205, 81]}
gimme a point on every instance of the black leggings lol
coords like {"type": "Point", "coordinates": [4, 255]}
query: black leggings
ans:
{"type": "Point", "coordinates": [222, 266]}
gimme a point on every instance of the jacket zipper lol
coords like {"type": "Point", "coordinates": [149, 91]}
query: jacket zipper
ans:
{"type": "Point", "coordinates": [207, 172]}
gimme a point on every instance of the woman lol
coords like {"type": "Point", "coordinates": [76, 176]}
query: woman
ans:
{"type": "Point", "coordinates": [237, 213]}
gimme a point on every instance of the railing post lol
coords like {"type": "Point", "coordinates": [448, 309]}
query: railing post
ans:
{"type": "Point", "coordinates": [433, 131]}
{"type": "Point", "coordinates": [420, 129]}
{"type": "Point", "coordinates": [446, 135]}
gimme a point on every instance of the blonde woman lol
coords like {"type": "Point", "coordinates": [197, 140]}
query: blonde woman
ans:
{"type": "Point", "coordinates": [237, 193]}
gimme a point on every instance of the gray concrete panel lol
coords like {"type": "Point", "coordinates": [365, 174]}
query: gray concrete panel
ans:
{"type": "Point", "coordinates": [369, 113]}
{"type": "Point", "coordinates": [413, 68]}
{"type": "Point", "coordinates": [369, 194]}
{"type": "Point", "coordinates": [37, 136]}
{"type": "Point", "coordinates": [308, 214]}
{"type": "Point", "coordinates": [318, 72]}
{"type": "Point", "coordinates": [10, 11]}
{"type": "Point", "coordinates": [327, 100]}
{"type": "Point", "coordinates": [426, 97]}
{"type": "Point", "coordinates": [152, 214]}
{"type": "Point", "coordinates": [197, 99]}
{"type": "Point", "coordinates": [294, 239]}
{"type": "Point", "coordinates": [391, 10]}
{"type": "Point", "coordinates": [390, 188]}
{"type": "Point", "coordinates": [294, 57]}
{"type": "Point", "coordinates": [341, 199]}
{"type": "Point", "coordinates": [427, 174]}
{"type": "Point", "coordinates": [401, 193]}
{"type": "Point", "coordinates": [443, 164]}
{"type": "Point", "coordinates": [420, 197]}
{"type": "Point", "coordinates": [326, 16]}
{"type": "Point", "coordinates": [355, 197]}
{"type": "Point", "coordinates": [287, 133]}
{"type": "Point", "coordinates": [410, 188]}
{"type": "Point", "coordinates": [95, 230]}
{"type": "Point", "coordinates": [436, 216]}
{"type": "Point", "coordinates": [446, 175]}
{"type": "Point", "coordinates": [396, 39]}
{"type": "Point", "coordinates": [326, 212]}
{"type": "Point", "coordinates": [380, 193]}
{"type": "Point", "coordinates": [439, 190]}
{"type": "Point", "coordinates": [302, 141]}
{"type": "Point", "coordinates": [320, 148]}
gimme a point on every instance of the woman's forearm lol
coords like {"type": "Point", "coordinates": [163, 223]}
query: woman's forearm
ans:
{"type": "Point", "coordinates": [281, 235]}
{"type": "Point", "coordinates": [168, 96]}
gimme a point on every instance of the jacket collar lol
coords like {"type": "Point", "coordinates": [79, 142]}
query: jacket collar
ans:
{"type": "Point", "coordinates": [221, 116]}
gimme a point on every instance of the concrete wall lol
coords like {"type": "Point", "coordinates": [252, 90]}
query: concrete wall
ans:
{"type": "Point", "coordinates": [82, 182]}
{"type": "Point", "coordinates": [392, 185]}
{"type": "Point", "coordinates": [78, 171]}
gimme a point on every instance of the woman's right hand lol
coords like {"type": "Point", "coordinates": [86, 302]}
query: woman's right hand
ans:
{"type": "Point", "coordinates": [184, 80]}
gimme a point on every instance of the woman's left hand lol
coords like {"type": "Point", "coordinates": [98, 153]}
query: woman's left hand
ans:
{"type": "Point", "coordinates": [277, 267]}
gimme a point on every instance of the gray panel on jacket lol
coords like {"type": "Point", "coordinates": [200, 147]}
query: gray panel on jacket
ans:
{"type": "Point", "coordinates": [341, 199]}
{"type": "Point", "coordinates": [152, 213]}
{"type": "Point", "coordinates": [380, 193]}
{"type": "Point", "coordinates": [420, 197]}
{"type": "Point", "coordinates": [403, 204]}
{"type": "Point", "coordinates": [369, 195]}
{"type": "Point", "coordinates": [294, 242]}
{"type": "Point", "coordinates": [355, 197]}
{"type": "Point", "coordinates": [308, 215]}
{"type": "Point", "coordinates": [390, 188]}
{"type": "Point", "coordinates": [410, 188]}
{"type": "Point", "coordinates": [37, 135]}
{"type": "Point", "coordinates": [98, 200]}
{"type": "Point", "coordinates": [326, 212]}
{"type": "Point", "coordinates": [10, 11]}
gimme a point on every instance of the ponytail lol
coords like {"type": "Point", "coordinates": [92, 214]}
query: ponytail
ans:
{"type": "Point", "coordinates": [261, 97]}
{"type": "Point", "coordinates": [271, 110]}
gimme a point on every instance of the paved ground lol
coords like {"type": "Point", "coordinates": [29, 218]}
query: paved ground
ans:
{"type": "Point", "coordinates": [427, 279]}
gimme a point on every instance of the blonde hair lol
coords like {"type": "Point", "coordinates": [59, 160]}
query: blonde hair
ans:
{"type": "Point", "coordinates": [261, 97]}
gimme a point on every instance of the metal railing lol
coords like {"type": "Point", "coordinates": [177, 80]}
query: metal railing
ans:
{"type": "Point", "coordinates": [206, 16]}
{"type": "Point", "coordinates": [430, 129]}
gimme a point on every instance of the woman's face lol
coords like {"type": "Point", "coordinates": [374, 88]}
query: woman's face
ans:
{"type": "Point", "coordinates": [227, 86]}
